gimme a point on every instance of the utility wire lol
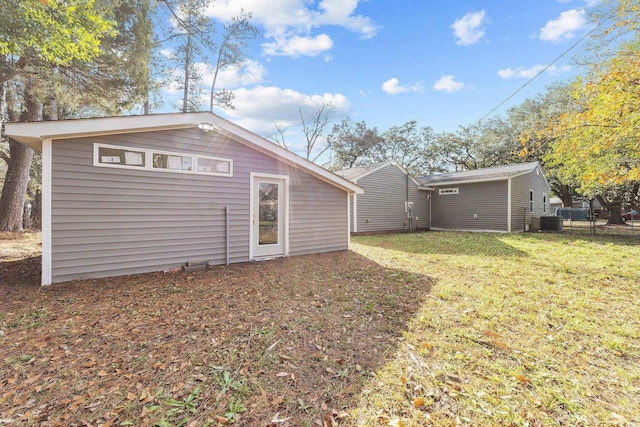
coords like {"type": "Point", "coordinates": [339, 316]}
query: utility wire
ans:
{"type": "Point", "coordinates": [543, 70]}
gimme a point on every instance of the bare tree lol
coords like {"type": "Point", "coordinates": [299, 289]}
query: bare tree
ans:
{"type": "Point", "coordinates": [314, 126]}
{"type": "Point", "coordinates": [232, 52]}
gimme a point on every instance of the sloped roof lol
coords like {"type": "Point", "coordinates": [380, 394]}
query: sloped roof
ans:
{"type": "Point", "coordinates": [479, 175]}
{"type": "Point", "coordinates": [34, 133]}
{"type": "Point", "coordinates": [358, 172]}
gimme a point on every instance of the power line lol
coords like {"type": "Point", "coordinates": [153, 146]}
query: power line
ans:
{"type": "Point", "coordinates": [543, 70]}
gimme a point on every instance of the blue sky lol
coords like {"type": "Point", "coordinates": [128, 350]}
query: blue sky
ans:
{"type": "Point", "coordinates": [442, 63]}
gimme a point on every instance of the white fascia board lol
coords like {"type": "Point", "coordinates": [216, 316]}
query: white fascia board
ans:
{"type": "Point", "coordinates": [33, 133]}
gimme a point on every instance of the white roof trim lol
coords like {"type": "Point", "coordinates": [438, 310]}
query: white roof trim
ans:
{"type": "Point", "coordinates": [489, 179]}
{"type": "Point", "coordinates": [33, 133]}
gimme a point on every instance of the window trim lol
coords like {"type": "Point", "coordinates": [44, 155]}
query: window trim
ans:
{"type": "Point", "coordinates": [97, 162]}
{"type": "Point", "coordinates": [152, 153]}
{"type": "Point", "coordinates": [148, 160]}
{"type": "Point", "coordinates": [531, 201]}
{"type": "Point", "coordinates": [545, 202]}
{"type": "Point", "coordinates": [219, 159]}
{"type": "Point", "coordinates": [448, 191]}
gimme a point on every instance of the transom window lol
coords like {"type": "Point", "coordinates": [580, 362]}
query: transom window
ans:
{"type": "Point", "coordinates": [114, 156]}
{"type": "Point", "coordinates": [444, 191]}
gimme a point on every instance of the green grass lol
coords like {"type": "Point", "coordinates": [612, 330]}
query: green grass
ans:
{"type": "Point", "coordinates": [524, 330]}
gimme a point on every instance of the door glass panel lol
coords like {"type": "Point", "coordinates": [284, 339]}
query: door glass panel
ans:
{"type": "Point", "coordinates": [268, 214]}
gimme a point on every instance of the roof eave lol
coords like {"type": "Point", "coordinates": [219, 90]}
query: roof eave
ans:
{"type": "Point", "coordinates": [33, 133]}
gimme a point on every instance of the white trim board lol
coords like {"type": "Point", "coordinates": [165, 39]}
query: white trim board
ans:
{"type": "Point", "coordinates": [47, 158]}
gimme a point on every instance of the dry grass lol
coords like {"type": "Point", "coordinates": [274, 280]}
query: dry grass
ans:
{"type": "Point", "coordinates": [526, 330]}
{"type": "Point", "coordinates": [288, 342]}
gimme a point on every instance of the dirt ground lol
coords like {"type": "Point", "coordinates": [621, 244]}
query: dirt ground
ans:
{"type": "Point", "coordinates": [287, 342]}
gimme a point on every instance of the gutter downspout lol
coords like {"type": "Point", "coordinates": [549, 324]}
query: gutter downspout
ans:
{"type": "Point", "coordinates": [349, 219]}
{"type": "Point", "coordinates": [406, 203]}
{"type": "Point", "coordinates": [430, 198]}
{"type": "Point", "coordinates": [227, 213]}
{"type": "Point", "coordinates": [509, 205]}
{"type": "Point", "coordinates": [355, 210]}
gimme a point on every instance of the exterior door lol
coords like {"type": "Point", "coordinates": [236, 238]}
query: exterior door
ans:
{"type": "Point", "coordinates": [269, 217]}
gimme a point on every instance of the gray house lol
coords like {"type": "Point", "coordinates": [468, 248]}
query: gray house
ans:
{"type": "Point", "coordinates": [393, 200]}
{"type": "Point", "coordinates": [503, 198]}
{"type": "Point", "coordinates": [136, 194]}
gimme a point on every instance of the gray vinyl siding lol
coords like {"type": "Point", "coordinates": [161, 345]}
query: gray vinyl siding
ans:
{"type": "Point", "coordinates": [421, 211]}
{"type": "Point", "coordinates": [110, 221]}
{"type": "Point", "coordinates": [382, 206]}
{"type": "Point", "coordinates": [520, 186]}
{"type": "Point", "coordinates": [456, 211]}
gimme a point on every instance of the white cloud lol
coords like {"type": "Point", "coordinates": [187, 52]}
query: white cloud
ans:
{"type": "Point", "coordinates": [260, 107]}
{"type": "Point", "coordinates": [290, 22]}
{"type": "Point", "coordinates": [468, 29]}
{"type": "Point", "coordinates": [448, 83]}
{"type": "Point", "coordinates": [528, 73]}
{"type": "Point", "coordinates": [298, 46]}
{"type": "Point", "coordinates": [393, 87]}
{"type": "Point", "coordinates": [565, 27]}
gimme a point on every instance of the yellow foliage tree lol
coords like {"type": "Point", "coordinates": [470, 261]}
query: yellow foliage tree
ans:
{"type": "Point", "coordinates": [598, 143]}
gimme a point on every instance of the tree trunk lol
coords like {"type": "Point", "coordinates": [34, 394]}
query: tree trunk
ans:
{"type": "Point", "coordinates": [187, 69]}
{"type": "Point", "coordinates": [615, 215]}
{"type": "Point", "coordinates": [15, 187]}
{"type": "Point", "coordinates": [14, 191]}
{"type": "Point", "coordinates": [615, 210]}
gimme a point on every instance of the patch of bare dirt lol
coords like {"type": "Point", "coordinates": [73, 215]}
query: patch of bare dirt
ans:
{"type": "Point", "coordinates": [279, 343]}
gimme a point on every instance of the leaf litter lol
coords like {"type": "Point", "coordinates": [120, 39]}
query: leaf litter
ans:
{"type": "Point", "coordinates": [285, 342]}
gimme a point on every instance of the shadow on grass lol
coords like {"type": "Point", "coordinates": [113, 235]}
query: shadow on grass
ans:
{"type": "Point", "coordinates": [444, 242]}
{"type": "Point", "coordinates": [292, 338]}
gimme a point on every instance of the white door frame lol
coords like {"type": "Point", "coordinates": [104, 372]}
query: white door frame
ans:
{"type": "Point", "coordinates": [283, 211]}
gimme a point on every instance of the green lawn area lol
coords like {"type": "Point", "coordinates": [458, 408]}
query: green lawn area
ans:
{"type": "Point", "coordinates": [522, 329]}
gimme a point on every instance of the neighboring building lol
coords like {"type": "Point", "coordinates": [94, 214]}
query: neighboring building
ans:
{"type": "Point", "coordinates": [502, 198]}
{"type": "Point", "coordinates": [392, 201]}
{"type": "Point", "coordinates": [556, 202]}
{"type": "Point", "coordinates": [134, 194]}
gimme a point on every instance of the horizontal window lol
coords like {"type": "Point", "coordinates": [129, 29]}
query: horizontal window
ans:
{"type": "Point", "coordinates": [214, 166]}
{"type": "Point", "coordinates": [174, 162]}
{"type": "Point", "coordinates": [114, 156]}
{"type": "Point", "coordinates": [120, 157]}
{"type": "Point", "coordinates": [448, 191]}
